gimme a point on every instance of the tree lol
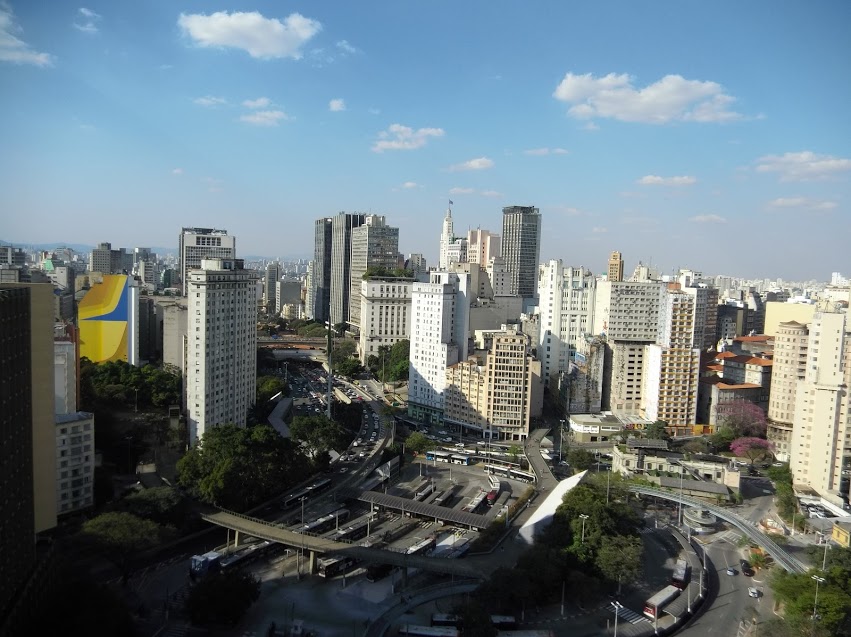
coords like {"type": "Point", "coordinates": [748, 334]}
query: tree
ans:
{"type": "Point", "coordinates": [340, 328]}
{"type": "Point", "coordinates": [514, 451]}
{"type": "Point", "coordinates": [657, 431]}
{"type": "Point", "coordinates": [238, 467]}
{"type": "Point", "coordinates": [797, 593]}
{"type": "Point", "coordinates": [722, 438]}
{"type": "Point", "coordinates": [268, 387]}
{"type": "Point", "coordinates": [343, 350]}
{"type": "Point", "coordinates": [475, 620]}
{"type": "Point", "coordinates": [752, 448]}
{"type": "Point", "coordinates": [743, 417]}
{"type": "Point", "coordinates": [222, 598]}
{"type": "Point", "coordinates": [120, 536]}
{"type": "Point", "coordinates": [163, 505]}
{"type": "Point", "coordinates": [580, 459]}
{"type": "Point", "coordinates": [349, 367]}
{"type": "Point", "coordinates": [418, 443]}
{"type": "Point", "coordinates": [318, 433]}
{"type": "Point", "coordinates": [619, 558]}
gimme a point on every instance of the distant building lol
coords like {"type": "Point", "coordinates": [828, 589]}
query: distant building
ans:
{"type": "Point", "coordinates": [221, 358]}
{"type": "Point", "coordinates": [521, 246]}
{"type": "Point", "coordinates": [270, 290]}
{"type": "Point", "coordinates": [374, 245]}
{"type": "Point", "coordinates": [109, 320]}
{"type": "Point", "coordinates": [341, 264]}
{"type": "Point", "coordinates": [195, 244]}
{"type": "Point", "coordinates": [482, 246]}
{"type": "Point", "coordinates": [318, 295]}
{"type": "Point", "coordinates": [108, 261]}
{"type": "Point", "coordinates": [385, 314]}
{"type": "Point", "coordinates": [615, 271]}
{"type": "Point", "coordinates": [789, 369]}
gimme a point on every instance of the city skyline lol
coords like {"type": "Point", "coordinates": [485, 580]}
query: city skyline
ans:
{"type": "Point", "coordinates": [723, 148]}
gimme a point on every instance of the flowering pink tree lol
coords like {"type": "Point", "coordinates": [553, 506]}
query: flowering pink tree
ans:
{"type": "Point", "coordinates": [751, 448]}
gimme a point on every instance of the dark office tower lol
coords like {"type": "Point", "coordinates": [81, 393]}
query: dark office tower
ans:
{"type": "Point", "coordinates": [521, 246]}
{"type": "Point", "coordinates": [341, 263]}
{"type": "Point", "coordinates": [320, 273]}
{"type": "Point", "coordinates": [17, 508]}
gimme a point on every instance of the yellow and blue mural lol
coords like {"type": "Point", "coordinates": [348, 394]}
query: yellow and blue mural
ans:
{"type": "Point", "coordinates": [107, 320]}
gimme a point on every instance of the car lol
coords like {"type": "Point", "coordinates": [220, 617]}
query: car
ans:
{"type": "Point", "coordinates": [460, 445]}
{"type": "Point", "coordinates": [343, 469]}
{"type": "Point", "coordinates": [361, 455]}
{"type": "Point", "coordinates": [777, 464]}
{"type": "Point", "coordinates": [753, 592]}
{"type": "Point", "coordinates": [731, 570]}
{"type": "Point", "coordinates": [447, 439]}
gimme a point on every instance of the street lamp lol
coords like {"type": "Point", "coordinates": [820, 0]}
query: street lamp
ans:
{"type": "Point", "coordinates": [560, 439]}
{"type": "Point", "coordinates": [584, 517]}
{"type": "Point", "coordinates": [618, 606]}
{"type": "Point", "coordinates": [824, 560]}
{"type": "Point", "coordinates": [819, 580]}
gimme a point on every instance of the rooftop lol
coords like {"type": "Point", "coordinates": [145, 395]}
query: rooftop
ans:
{"type": "Point", "coordinates": [693, 485]}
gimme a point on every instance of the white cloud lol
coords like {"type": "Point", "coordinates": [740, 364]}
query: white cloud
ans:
{"type": "Point", "coordinates": [398, 137]}
{"type": "Point", "coordinates": [345, 47]}
{"type": "Point", "coordinates": [461, 191]}
{"type": "Point", "coordinates": [373, 111]}
{"type": "Point", "coordinates": [89, 21]}
{"type": "Point", "coordinates": [493, 194]}
{"type": "Point", "coordinates": [591, 126]}
{"type": "Point", "coordinates": [260, 102]}
{"type": "Point", "coordinates": [568, 211]}
{"type": "Point", "coordinates": [656, 180]}
{"type": "Point", "coordinates": [210, 100]}
{"type": "Point", "coordinates": [12, 48]}
{"type": "Point", "coordinates": [599, 230]}
{"type": "Point", "coordinates": [410, 184]}
{"type": "Point", "coordinates": [264, 118]}
{"type": "Point", "coordinates": [337, 105]}
{"type": "Point", "coordinates": [479, 163]}
{"type": "Point", "coordinates": [545, 151]}
{"type": "Point", "coordinates": [802, 203]}
{"type": "Point", "coordinates": [177, 171]}
{"type": "Point", "coordinates": [671, 99]}
{"type": "Point", "coordinates": [261, 37]}
{"type": "Point", "coordinates": [708, 219]}
{"type": "Point", "coordinates": [803, 166]}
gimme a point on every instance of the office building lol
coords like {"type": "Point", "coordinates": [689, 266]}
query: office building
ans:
{"type": "Point", "coordinates": [221, 355]}
{"type": "Point", "coordinates": [375, 245]}
{"type": "Point", "coordinates": [341, 264]}
{"type": "Point", "coordinates": [270, 290]}
{"type": "Point", "coordinates": [319, 291]}
{"type": "Point", "coordinates": [482, 246]}
{"type": "Point", "coordinates": [109, 320]}
{"type": "Point", "coordinates": [820, 448]}
{"type": "Point", "coordinates": [615, 272]}
{"type": "Point", "coordinates": [789, 368]}
{"type": "Point", "coordinates": [195, 244]}
{"type": "Point", "coordinates": [521, 246]}
{"type": "Point", "coordinates": [416, 264]}
{"type": "Point", "coordinates": [566, 306]}
{"type": "Point", "coordinates": [385, 314]}
{"type": "Point", "coordinates": [145, 267]}
{"type": "Point", "coordinates": [705, 316]}
{"type": "Point", "coordinates": [439, 328]}
{"type": "Point", "coordinates": [12, 256]}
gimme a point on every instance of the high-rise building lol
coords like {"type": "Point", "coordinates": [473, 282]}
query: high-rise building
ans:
{"type": "Point", "coordinates": [447, 236]}
{"type": "Point", "coordinates": [341, 264]}
{"type": "Point", "coordinates": [374, 245]}
{"type": "Point", "coordinates": [566, 307]}
{"type": "Point", "coordinates": [482, 246]}
{"type": "Point", "coordinates": [521, 246]}
{"type": "Point", "coordinates": [109, 320]}
{"type": "Point", "coordinates": [273, 277]}
{"type": "Point", "coordinates": [320, 271]}
{"type": "Point", "coordinates": [195, 244]}
{"type": "Point", "coordinates": [385, 314]}
{"type": "Point", "coordinates": [221, 350]}
{"type": "Point", "coordinates": [439, 328]}
{"type": "Point", "coordinates": [789, 369]}
{"type": "Point", "coordinates": [416, 263]}
{"type": "Point", "coordinates": [615, 272]}
{"type": "Point", "coordinates": [498, 390]}
{"type": "Point", "coordinates": [820, 453]}
{"type": "Point", "coordinates": [705, 318]}
{"type": "Point", "coordinates": [12, 256]}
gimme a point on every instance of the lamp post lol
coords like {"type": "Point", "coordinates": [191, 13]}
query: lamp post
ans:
{"type": "Point", "coordinates": [560, 439]}
{"type": "Point", "coordinates": [819, 580]}
{"type": "Point", "coordinates": [584, 517]}
{"type": "Point", "coordinates": [824, 560]}
{"type": "Point", "coordinates": [680, 514]}
{"type": "Point", "coordinates": [617, 606]}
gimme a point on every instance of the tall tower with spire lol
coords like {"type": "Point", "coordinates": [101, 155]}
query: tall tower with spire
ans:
{"type": "Point", "coordinates": [446, 238]}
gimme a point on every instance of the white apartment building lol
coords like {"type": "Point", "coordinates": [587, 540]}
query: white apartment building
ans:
{"type": "Point", "coordinates": [374, 245]}
{"type": "Point", "coordinates": [386, 314]}
{"type": "Point", "coordinates": [195, 244]}
{"type": "Point", "coordinates": [221, 356]}
{"type": "Point", "coordinates": [789, 368]}
{"type": "Point", "coordinates": [672, 366]}
{"type": "Point", "coordinates": [820, 449]}
{"type": "Point", "coordinates": [566, 306]}
{"type": "Point", "coordinates": [629, 315]}
{"type": "Point", "coordinates": [439, 328]}
{"type": "Point", "coordinates": [705, 316]}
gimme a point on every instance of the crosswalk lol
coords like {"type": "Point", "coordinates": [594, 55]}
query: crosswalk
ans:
{"type": "Point", "coordinates": [627, 615]}
{"type": "Point", "coordinates": [645, 530]}
{"type": "Point", "coordinates": [731, 536]}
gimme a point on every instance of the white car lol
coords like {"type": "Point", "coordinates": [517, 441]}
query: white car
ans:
{"type": "Point", "coordinates": [753, 592]}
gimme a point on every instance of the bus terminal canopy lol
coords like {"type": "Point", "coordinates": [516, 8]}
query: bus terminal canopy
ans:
{"type": "Point", "coordinates": [420, 509]}
{"type": "Point", "coordinates": [544, 515]}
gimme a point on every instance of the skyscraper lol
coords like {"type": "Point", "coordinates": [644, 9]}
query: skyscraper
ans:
{"type": "Point", "coordinates": [203, 243]}
{"type": "Point", "coordinates": [374, 245]}
{"type": "Point", "coordinates": [447, 234]}
{"type": "Point", "coordinates": [615, 267]}
{"type": "Point", "coordinates": [273, 276]}
{"type": "Point", "coordinates": [521, 246]}
{"type": "Point", "coordinates": [482, 246]}
{"type": "Point", "coordinates": [341, 263]}
{"type": "Point", "coordinates": [319, 295]}
{"type": "Point", "coordinates": [221, 356]}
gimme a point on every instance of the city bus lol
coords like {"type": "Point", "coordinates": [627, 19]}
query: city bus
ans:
{"type": "Point", "coordinates": [656, 604]}
{"type": "Point", "coordinates": [459, 459]}
{"type": "Point", "coordinates": [421, 546]}
{"type": "Point", "coordinates": [438, 456]}
{"type": "Point", "coordinates": [680, 576]}
{"type": "Point", "coordinates": [319, 525]}
{"type": "Point", "coordinates": [334, 565]}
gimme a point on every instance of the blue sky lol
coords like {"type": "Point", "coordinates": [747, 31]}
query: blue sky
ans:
{"type": "Point", "coordinates": [710, 135]}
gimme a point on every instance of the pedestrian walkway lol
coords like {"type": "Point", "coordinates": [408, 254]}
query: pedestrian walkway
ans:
{"type": "Point", "coordinates": [627, 615]}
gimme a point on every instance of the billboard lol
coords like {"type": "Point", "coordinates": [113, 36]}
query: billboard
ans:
{"type": "Point", "coordinates": [109, 321]}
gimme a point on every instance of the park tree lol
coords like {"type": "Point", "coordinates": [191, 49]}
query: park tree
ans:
{"type": "Point", "coordinates": [163, 505]}
{"type": "Point", "coordinates": [343, 350]}
{"type": "Point", "coordinates": [743, 417]}
{"type": "Point", "coordinates": [120, 536]}
{"type": "Point", "coordinates": [722, 438]}
{"type": "Point", "coordinates": [268, 387]}
{"type": "Point", "coordinates": [318, 433]}
{"type": "Point", "coordinates": [418, 443]}
{"type": "Point", "coordinates": [657, 431]}
{"type": "Point", "coordinates": [619, 558]}
{"type": "Point", "coordinates": [514, 451]}
{"type": "Point", "coordinates": [797, 593]}
{"type": "Point", "coordinates": [349, 367]}
{"type": "Point", "coordinates": [752, 448]}
{"type": "Point", "coordinates": [222, 598]}
{"type": "Point", "coordinates": [238, 467]}
{"type": "Point", "coordinates": [580, 459]}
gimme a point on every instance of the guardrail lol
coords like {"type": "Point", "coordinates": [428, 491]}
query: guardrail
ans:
{"type": "Point", "coordinates": [791, 564]}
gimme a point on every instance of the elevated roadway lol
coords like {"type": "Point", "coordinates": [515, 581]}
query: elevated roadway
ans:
{"type": "Point", "coordinates": [318, 545]}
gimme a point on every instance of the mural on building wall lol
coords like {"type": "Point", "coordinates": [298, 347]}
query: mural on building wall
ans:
{"type": "Point", "coordinates": [104, 315]}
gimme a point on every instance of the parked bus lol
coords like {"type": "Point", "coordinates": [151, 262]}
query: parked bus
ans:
{"type": "Point", "coordinates": [428, 631]}
{"type": "Point", "coordinates": [421, 546]}
{"type": "Point", "coordinates": [334, 565]}
{"type": "Point", "coordinates": [459, 459]}
{"type": "Point", "coordinates": [500, 622]}
{"type": "Point", "coordinates": [656, 604]}
{"type": "Point", "coordinates": [680, 577]}
{"type": "Point", "coordinates": [322, 524]}
{"type": "Point", "coordinates": [439, 456]}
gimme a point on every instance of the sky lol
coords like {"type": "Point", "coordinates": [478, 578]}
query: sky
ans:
{"type": "Point", "coordinates": [708, 135]}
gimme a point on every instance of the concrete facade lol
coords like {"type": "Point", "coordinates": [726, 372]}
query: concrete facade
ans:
{"type": "Point", "coordinates": [385, 314]}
